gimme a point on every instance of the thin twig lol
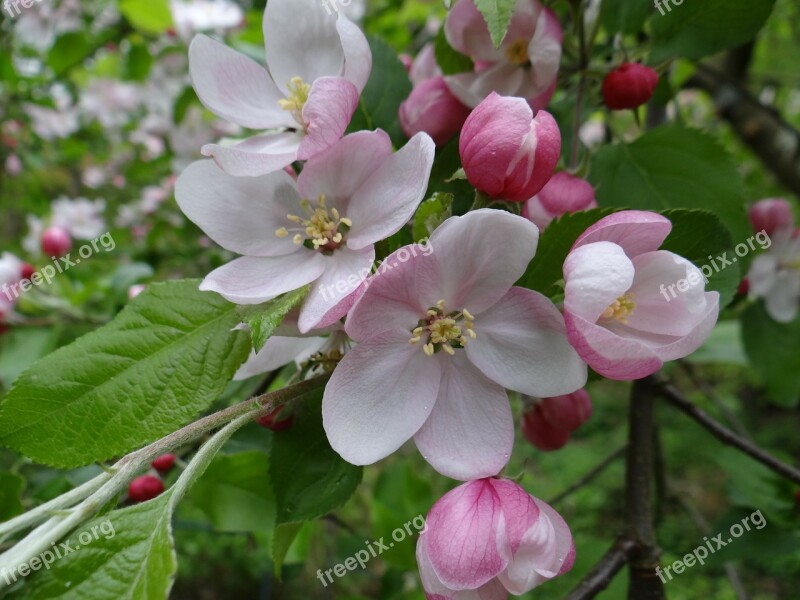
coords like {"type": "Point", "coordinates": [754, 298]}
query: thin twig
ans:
{"type": "Point", "coordinates": [608, 461]}
{"type": "Point", "coordinates": [727, 436]}
{"type": "Point", "coordinates": [604, 571]}
{"type": "Point", "coordinates": [711, 394]}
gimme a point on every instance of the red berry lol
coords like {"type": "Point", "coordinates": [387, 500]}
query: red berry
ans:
{"type": "Point", "coordinates": [273, 422]}
{"type": "Point", "coordinates": [56, 241]}
{"type": "Point", "coordinates": [629, 86]}
{"type": "Point", "coordinates": [28, 270]}
{"type": "Point", "coordinates": [145, 488]}
{"type": "Point", "coordinates": [164, 463]}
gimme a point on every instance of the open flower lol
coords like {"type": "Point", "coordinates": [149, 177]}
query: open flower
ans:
{"type": "Point", "coordinates": [317, 66]}
{"type": "Point", "coordinates": [526, 63]}
{"type": "Point", "coordinates": [11, 272]}
{"type": "Point", "coordinates": [775, 275]}
{"type": "Point", "coordinates": [629, 306]}
{"type": "Point", "coordinates": [320, 229]}
{"type": "Point", "coordinates": [439, 338]}
{"type": "Point", "coordinates": [489, 537]}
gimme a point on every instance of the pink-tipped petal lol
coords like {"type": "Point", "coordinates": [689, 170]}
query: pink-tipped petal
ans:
{"type": "Point", "coordinates": [470, 433]}
{"type": "Point", "coordinates": [686, 345]}
{"type": "Point", "coordinates": [234, 86]}
{"type": "Point", "coordinates": [522, 344]}
{"type": "Point", "coordinates": [379, 396]}
{"type": "Point", "coordinates": [327, 113]}
{"type": "Point", "coordinates": [635, 230]}
{"type": "Point", "coordinates": [258, 155]}
{"type": "Point", "coordinates": [389, 198]}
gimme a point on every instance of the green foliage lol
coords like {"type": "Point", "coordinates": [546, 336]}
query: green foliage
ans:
{"type": "Point", "coordinates": [774, 351]}
{"type": "Point", "coordinates": [11, 487]}
{"type": "Point", "coordinates": [696, 29]}
{"type": "Point", "coordinates": [164, 359]}
{"type": "Point", "coordinates": [386, 89]}
{"type": "Point", "coordinates": [432, 213]}
{"type": "Point", "coordinates": [497, 14]}
{"type": "Point", "coordinates": [450, 61]}
{"type": "Point", "coordinates": [134, 560]}
{"type": "Point", "coordinates": [672, 167]}
{"type": "Point", "coordinates": [69, 49]}
{"type": "Point", "coordinates": [263, 319]}
{"type": "Point", "coordinates": [625, 16]}
{"type": "Point", "coordinates": [148, 16]}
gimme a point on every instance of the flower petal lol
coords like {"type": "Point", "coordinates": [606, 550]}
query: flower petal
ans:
{"type": "Point", "coordinates": [277, 352]}
{"type": "Point", "coordinates": [388, 199]}
{"type": "Point", "coordinates": [635, 230]}
{"type": "Point", "coordinates": [235, 87]}
{"type": "Point", "coordinates": [481, 255]}
{"type": "Point", "coordinates": [403, 288]}
{"type": "Point", "coordinates": [596, 275]}
{"type": "Point", "coordinates": [327, 113]}
{"type": "Point", "coordinates": [378, 397]}
{"type": "Point", "coordinates": [345, 270]}
{"type": "Point", "coordinates": [258, 155]}
{"type": "Point", "coordinates": [241, 214]}
{"type": "Point", "coordinates": [691, 342]}
{"type": "Point", "coordinates": [470, 433]}
{"type": "Point", "coordinates": [249, 280]}
{"type": "Point", "coordinates": [357, 54]}
{"type": "Point", "coordinates": [522, 344]}
{"type": "Point", "coordinates": [301, 40]}
{"type": "Point", "coordinates": [783, 300]}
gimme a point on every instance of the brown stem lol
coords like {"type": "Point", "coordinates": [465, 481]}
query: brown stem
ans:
{"type": "Point", "coordinates": [727, 436]}
{"type": "Point", "coordinates": [604, 571]}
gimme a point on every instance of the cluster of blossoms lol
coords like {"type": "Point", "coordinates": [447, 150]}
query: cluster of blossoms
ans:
{"type": "Point", "coordinates": [429, 346]}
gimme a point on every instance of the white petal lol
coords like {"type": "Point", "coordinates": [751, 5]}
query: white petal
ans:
{"type": "Point", "coordinates": [258, 155]}
{"type": "Point", "coordinates": [277, 352]}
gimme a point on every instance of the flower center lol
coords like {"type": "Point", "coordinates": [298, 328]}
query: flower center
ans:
{"type": "Point", "coordinates": [517, 53]}
{"type": "Point", "coordinates": [321, 229]}
{"type": "Point", "coordinates": [297, 98]}
{"type": "Point", "coordinates": [444, 331]}
{"type": "Point", "coordinates": [620, 309]}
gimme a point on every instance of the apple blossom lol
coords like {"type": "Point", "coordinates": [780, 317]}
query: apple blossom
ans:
{"type": "Point", "coordinates": [775, 276]}
{"type": "Point", "coordinates": [319, 230]}
{"type": "Point", "coordinates": [317, 67]}
{"type": "Point", "coordinates": [56, 241]}
{"type": "Point", "coordinates": [440, 336]}
{"type": "Point", "coordinates": [564, 193]}
{"type": "Point", "coordinates": [629, 86]}
{"type": "Point", "coordinates": [489, 537]}
{"type": "Point", "coordinates": [506, 152]}
{"type": "Point", "coordinates": [12, 271]}
{"type": "Point", "coordinates": [194, 16]}
{"type": "Point", "coordinates": [549, 423]}
{"type": "Point", "coordinates": [81, 218]}
{"type": "Point", "coordinates": [770, 215]}
{"type": "Point", "coordinates": [526, 63]}
{"type": "Point", "coordinates": [623, 313]}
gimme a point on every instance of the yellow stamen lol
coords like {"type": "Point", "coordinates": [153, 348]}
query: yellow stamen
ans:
{"type": "Point", "coordinates": [517, 53]}
{"type": "Point", "coordinates": [620, 309]}
{"type": "Point", "coordinates": [282, 232]}
{"type": "Point", "coordinates": [446, 331]}
{"type": "Point", "coordinates": [297, 98]}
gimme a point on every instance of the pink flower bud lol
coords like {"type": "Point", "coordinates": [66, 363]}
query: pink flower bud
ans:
{"type": "Point", "coordinates": [145, 488]}
{"type": "Point", "coordinates": [507, 153]}
{"type": "Point", "coordinates": [164, 463]}
{"type": "Point", "coordinates": [432, 108]}
{"type": "Point", "coordinates": [491, 535]}
{"type": "Point", "coordinates": [549, 423]}
{"type": "Point", "coordinates": [56, 241]}
{"type": "Point", "coordinates": [629, 86]}
{"type": "Point", "coordinates": [563, 194]}
{"type": "Point", "coordinates": [771, 214]}
{"type": "Point", "coordinates": [27, 271]}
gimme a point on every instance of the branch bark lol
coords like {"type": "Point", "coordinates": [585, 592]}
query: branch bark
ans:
{"type": "Point", "coordinates": [604, 571]}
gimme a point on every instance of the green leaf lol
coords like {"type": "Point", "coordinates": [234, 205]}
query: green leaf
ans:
{"type": "Point", "coordinates": [546, 268]}
{"type": "Point", "coordinates": [672, 167]}
{"type": "Point", "coordinates": [700, 28]}
{"type": "Point", "coordinates": [20, 348]}
{"type": "Point", "coordinates": [138, 64]}
{"type": "Point", "coordinates": [166, 357]}
{"type": "Point", "coordinates": [450, 60]}
{"type": "Point", "coordinates": [497, 14]}
{"type": "Point", "coordinates": [308, 477]}
{"type": "Point", "coordinates": [774, 350]}
{"type": "Point", "coordinates": [11, 487]}
{"type": "Point", "coordinates": [625, 16]}
{"type": "Point", "coordinates": [697, 235]}
{"type": "Point", "coordinates": [148, 16]}
{"type": "Point", "coordinates": [263, 319]}
{"type": "Point", "coordinates": [282, 540]}
{"type": "Point", "coordinates": [126, 553]}
{"type": "Point", "coordinates": [387, 88]}
{"type": "Point", "coordinates": [234, 493]}
{"type": "Point", "coordinates": [432, 213]}
{"type": "Point", "coordinates": [70, 49]}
